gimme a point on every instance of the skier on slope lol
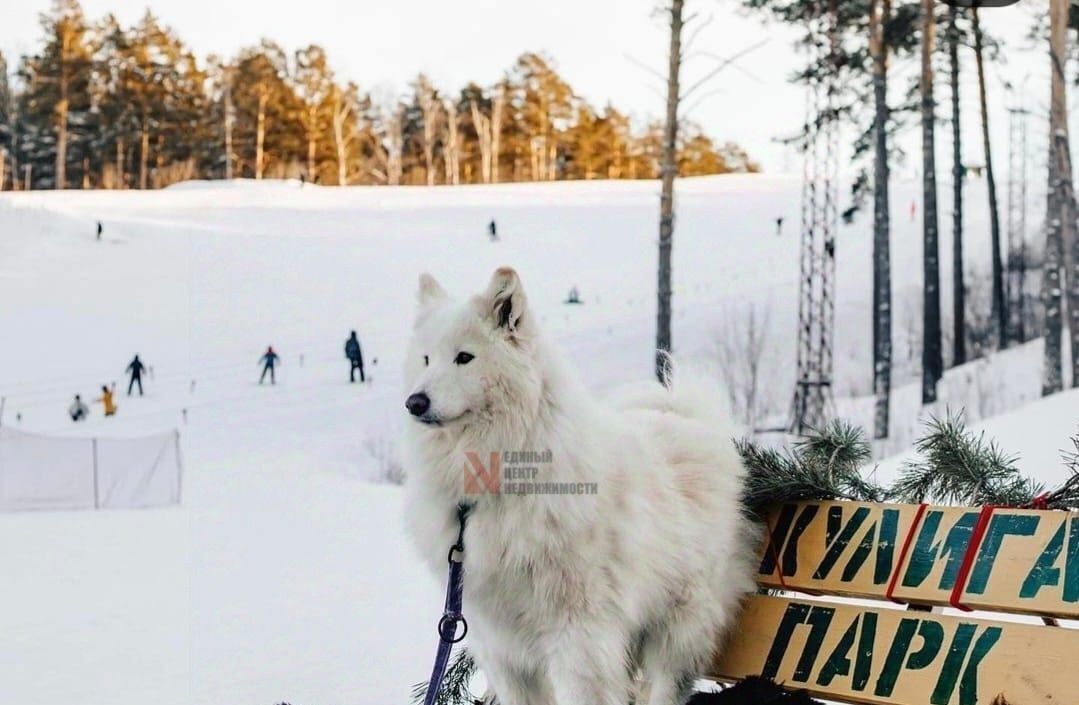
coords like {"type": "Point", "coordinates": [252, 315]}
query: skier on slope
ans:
{"type": "Point", "coordinates": [268, 361]}
{"type": "Point", "coordinates": [107, 401]}
{"type": "Point", "coordinates": [78, 411]}
{"type": "Point", "coordinates": [355, 357]}
{"type": "Point", "coordinates": [135, 369]}
{"type": "Point", "coordinates": [492, 230]}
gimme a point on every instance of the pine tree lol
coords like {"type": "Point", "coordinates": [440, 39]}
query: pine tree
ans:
{"type": "Point", "coordinates": [999, 310]}
{"type": "Point", "coordinates": [959, 289]}
{"type": "Point", "coordinates": [314, 84]}
{"type": "Point", "coordinates": [269, 137]}
{"type": "Point", "coordinates": [542, 105]}
{"type": "Point", "coordinates": [56, 101]}
{"type": "Point", "coordinates": [7, 124]}
{"type": "Point", "coordinates": [932, 364]}
{"type": "Point", "coordinates": [1060, 213]}
{"type": "Point", "coordinates": [880, 12]}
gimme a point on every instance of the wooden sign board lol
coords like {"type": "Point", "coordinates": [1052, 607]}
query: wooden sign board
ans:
{"type": "Point", "coordinates": [900, 657]}
{"type": "Point", "coordinates": [1026, 561]}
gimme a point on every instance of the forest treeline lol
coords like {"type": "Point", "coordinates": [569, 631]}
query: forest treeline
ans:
{"type": "Point", "coordinates": [101, 105]}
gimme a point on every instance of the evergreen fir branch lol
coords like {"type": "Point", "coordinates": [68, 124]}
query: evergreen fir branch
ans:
{"type": "Point", "coordinates": [455, 685]}
{"type": "Point", "coordinates": [825, 465]}
{"type": "Point", "coordinates": [958, 467]}
{"type": "Point", "coordinates": [1067, 495]}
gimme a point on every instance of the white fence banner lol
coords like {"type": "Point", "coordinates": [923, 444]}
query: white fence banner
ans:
{"type": "Point", "coordinates": [45, 472]}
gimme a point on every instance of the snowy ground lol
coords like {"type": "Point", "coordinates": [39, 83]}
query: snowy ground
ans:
{"type": "Point", "coordinates": [284, 576]}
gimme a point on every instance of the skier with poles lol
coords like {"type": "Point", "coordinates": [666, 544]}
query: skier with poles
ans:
{"type": "Point", "coordinates": [269, 362]}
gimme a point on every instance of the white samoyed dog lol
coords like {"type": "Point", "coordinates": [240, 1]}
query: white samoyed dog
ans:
{"type": "Point", "coordinates": [606, 542]}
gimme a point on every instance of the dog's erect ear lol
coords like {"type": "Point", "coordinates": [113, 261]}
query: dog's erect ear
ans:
{"type": "Point", "coordinates": [430, 291]}
{"type": "Point", "coordinates": [505, 300]}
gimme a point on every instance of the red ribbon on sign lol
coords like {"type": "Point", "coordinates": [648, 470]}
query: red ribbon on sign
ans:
{"type": "Point", "coordinates": [967, 564]}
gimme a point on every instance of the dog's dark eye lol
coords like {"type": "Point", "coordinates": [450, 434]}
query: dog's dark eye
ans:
{"type": "Point", "coordinates": [426, 361]}
{"type": "Point", "coordinates": [464, 358]}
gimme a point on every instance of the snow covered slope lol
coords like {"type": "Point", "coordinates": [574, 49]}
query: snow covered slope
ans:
{"type": "Point", "coordinates": [284, 577]}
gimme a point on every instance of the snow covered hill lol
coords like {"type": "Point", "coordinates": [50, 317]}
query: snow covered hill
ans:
{"type": "Point", "coordinates": [284, 576]}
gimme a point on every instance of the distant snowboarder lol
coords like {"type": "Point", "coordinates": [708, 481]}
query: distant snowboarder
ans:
{"type": "Point", "coordinates": [107, 401]}
{"type": "Point", "coordinates": [913, 209]}
{"type": "Point", "coordinates": [779, 225]}
{"type": "Point", "coordinates": [492, 230]}
{"type": "Point", "coordinates": [355, 357]}
{"type": "Point", "coordinates": [99, 229]}
{"type": "Point", "coordinates": [135, 369]}
{"type": "Point", "coordinates": [78, 410]}
{"type": "Point", "coordinates": [574, 296]}
{"type": "Point", "coordinates": [268, 361]}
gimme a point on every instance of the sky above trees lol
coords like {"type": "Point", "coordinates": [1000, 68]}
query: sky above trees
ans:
{"type": "Point", "coordinates": [384, 45]}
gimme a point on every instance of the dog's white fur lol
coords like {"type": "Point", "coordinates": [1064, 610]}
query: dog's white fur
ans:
{"type": "Point", "coordinates": [568, 596]}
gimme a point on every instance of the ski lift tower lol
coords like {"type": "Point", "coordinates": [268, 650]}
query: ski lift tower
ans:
{"type": "Point", "coordinates": [813, 402]}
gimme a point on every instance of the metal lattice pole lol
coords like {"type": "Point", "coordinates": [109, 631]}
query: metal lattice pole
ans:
{"type": "Point", "coordinates": [816, 308]}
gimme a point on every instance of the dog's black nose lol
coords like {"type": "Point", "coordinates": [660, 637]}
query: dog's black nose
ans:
{"type": "Point", "coordinates": [418, 404]}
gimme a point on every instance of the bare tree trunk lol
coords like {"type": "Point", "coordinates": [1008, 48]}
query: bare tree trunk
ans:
{"type": "Point", "coordinates": [429, 107]}
{"type": "Point", "coordinates": [483, 132]}
{"type": "Point", "coordinates": [312, 140]}
{"type": "Point", "coordinates": [61, 134]}
{"type": "Point", "coordinates": [932, 363]}
{"type": "Point", "coordinates": [1060, 217]}
{"type": "Point", "coordinates": [3, 167]}
{"type": "Point", "coordinates": [395, 148]}
{"type": "Point", "coordinates": [882, 257]}
{"type": "Point", "coordinates": [452, 146]}
{"type": "Point", "coordinates": [959, 287]}
{"type": "Point", "coordinates": [341, 113]}
{"type": "Point", "coordinates": [144, 154]}
{"type": "Point", "coordinates": [999, 310]}
{"type": "Point", "coordinates": [120, 182]}
{"type": "Point", "coordinates": [497, 104]}
{"type": "Point", "coordinates": [260, 134]}
{"type": "Point", "coordinates": [668, 171]}
{"type": "Point", "coordinates": [230, 119]}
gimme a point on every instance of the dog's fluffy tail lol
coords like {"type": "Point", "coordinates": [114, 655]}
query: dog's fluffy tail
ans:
{"type": "Point", "coordinates": [688, 390]}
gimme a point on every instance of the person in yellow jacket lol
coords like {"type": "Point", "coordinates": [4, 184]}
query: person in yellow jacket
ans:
{"type": "Point", "coordinates": [107, 400]}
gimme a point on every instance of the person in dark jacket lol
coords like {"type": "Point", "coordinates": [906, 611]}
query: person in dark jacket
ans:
{"type": "Point", "coordinates": [269, 361]}
{"type": "Point", "coordinates": [355, 357]}
{"type": "Point", "coordinates": [492, 230]}
{"type": "Point", "coordinates": [135, 369]}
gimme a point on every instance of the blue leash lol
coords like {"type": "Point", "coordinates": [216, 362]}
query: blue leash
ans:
{"type": "Point", "coordinates": [451, 615]}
